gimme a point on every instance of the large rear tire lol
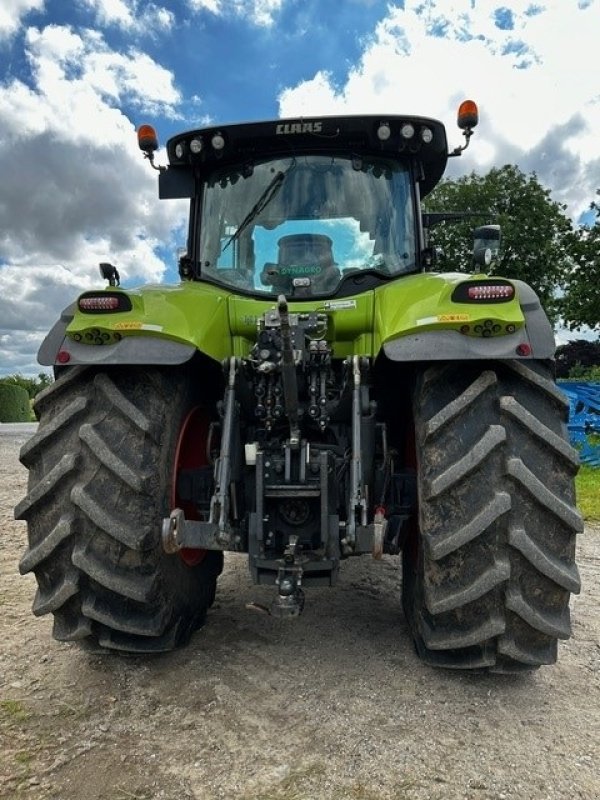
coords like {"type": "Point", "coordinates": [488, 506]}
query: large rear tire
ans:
{"type": "Point", "coordinates": [100, 471]}
{"type": "Point", "coordinates": [487, 578]}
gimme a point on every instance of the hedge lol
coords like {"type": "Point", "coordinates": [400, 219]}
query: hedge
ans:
{"type": "Point", "coordinates": [14, 403]}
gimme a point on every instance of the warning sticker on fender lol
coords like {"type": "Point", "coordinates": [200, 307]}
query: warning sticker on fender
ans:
{"type": "Point", "coordinates": [136, 326]}
{"type": "Point", "coordinates": [128, 326]}
{"type": "Point", "coordinates": [453, 317]}
{"type": "Point", "coordinates": [444, 318]}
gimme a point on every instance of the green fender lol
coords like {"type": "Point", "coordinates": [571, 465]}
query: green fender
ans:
{"type": "Point", "coordinates": [417, 320]}
{"type": "Point", "coordinates": [165, 325]}
{"type": "Point", "coordinates": [410, 319]}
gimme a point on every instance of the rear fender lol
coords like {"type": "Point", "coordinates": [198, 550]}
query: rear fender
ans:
{"type": "Point", "coordinates": [155, 325]}
{"type": "Point", "coordinates": [130, 350]}
{"type": "Point", "coordinates": [533, 339]}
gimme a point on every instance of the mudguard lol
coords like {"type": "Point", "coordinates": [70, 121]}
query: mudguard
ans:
{"type": "Point", "coordinates": [160, 325]}
{"type": "Point", "coordinates": [433, 327]}
{"type": "Point", "coordinates": [415, 318]}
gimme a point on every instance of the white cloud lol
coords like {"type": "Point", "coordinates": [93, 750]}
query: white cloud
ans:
{"type": "Point", "coordinates": [13, 11]}
{"type": "Point", "coordinates": [75, 189]}
{"type": "Point", "coordinates": [112, 12]}
{"type": "Point", "coordinates": [78, 83]}
{"type": "Point", "coordinates": [535, 78]}
{"type": "Point", "coordinates": [82, 69]}
{"type": "Point", "coordinates": [259, 12]}
{"type": "Point", "coordinates": [263, 11]}
{"type": "Point", "coordinates": [131, 15]}
{"type": "Point", "coordinates": [214, 6]}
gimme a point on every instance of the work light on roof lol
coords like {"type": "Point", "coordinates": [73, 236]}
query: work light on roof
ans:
{"type": "Point", "coordinates": [196, 145]}
{"type": "Point", "coordinates": [384, 132]}
{"type": "Point", "coordinates": [407, 131]}
{"type": "Point", "coordinates": [217, 141]}
{"type": "Point", "coordinates": [426, 135]}
{"type": "Point", "coordinates": [179, 149]}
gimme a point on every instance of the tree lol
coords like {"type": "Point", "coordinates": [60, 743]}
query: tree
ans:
{"type": "Point", "coordinates": [579, 354]}
{"type": "Point", "coordinates": [536, 233]}
{"type": "Point", "coordinates": [581, 303]}
{"type": "Point", "coordinates": [32, 385]}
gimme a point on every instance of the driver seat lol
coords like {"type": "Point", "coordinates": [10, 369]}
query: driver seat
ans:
{"type": "Point", "coordinates": [303, 255]}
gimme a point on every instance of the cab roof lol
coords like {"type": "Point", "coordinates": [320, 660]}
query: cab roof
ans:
{"type": "Point", "coordinates": [396, 136]}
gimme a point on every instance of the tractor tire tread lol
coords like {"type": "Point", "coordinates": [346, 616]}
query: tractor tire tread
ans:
{"type": "Point", "coordinates": [494, 567]}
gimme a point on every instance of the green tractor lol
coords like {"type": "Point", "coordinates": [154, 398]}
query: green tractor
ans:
{"type": "Point", "coordinates": [312, 389]}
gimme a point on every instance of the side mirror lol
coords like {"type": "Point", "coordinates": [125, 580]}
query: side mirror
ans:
{"type": "Point", "coordinates": [432, 256]}
{"type": "Point", "coordinates": [184, 262]}
{"type": "Point", "coordinates": [486, 245]}
{"type": "Point", "coordinates": [110, 274]}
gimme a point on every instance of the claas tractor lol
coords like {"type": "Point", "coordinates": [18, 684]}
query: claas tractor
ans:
{"type": "Point", "coordinates": [313, 389]}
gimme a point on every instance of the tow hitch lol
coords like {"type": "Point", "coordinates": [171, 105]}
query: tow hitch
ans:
{"type": "Point", "coordinates": [289, 601]}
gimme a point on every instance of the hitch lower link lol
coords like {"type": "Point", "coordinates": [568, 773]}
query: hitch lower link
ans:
{"type": "Point", "coordinates": [179, 533]}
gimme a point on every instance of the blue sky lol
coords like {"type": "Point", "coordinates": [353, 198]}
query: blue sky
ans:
{"type": "Point", "coordinates": [77, 78]}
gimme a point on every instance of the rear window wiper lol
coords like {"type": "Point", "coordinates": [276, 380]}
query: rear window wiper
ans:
{"type": "Point", "coordinates": [263, 201]}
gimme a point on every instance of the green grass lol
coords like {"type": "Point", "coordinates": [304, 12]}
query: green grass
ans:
{"type": "Point", "coordinates": [13, 710]}
{"type": "Point", "coordinates": [587, 484]}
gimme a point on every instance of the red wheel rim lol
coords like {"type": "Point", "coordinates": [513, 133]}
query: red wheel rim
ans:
{"type": "Point", "coordinates": [411, 545]}
{"type": "Point", "coordinates": [190, 453]}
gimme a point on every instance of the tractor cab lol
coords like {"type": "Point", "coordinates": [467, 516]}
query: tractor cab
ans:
{"type": "Point", "coordinates": [305, 207]}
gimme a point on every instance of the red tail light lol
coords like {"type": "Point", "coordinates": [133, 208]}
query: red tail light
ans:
{"type": "Point", "coordinates": [484, 291]}
{"type": "Point", "coordinates": [98, 304]}
{"type": "Point", "coordinates": [103, 302]}
{"type": "Point", "coordinates": [491, 292]}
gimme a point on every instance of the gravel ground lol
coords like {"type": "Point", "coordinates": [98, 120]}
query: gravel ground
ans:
{"type": "Point", "coordinates": [332, 706]}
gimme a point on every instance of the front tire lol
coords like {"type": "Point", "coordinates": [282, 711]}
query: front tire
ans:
{"type": "Point", "coordinates": [488, 577]}
{"type": "Point", "coordinates": [100, 473]}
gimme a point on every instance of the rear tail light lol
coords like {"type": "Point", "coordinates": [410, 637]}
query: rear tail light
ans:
{"type": "Point", "coordinates": [103, 303]}
{"type": "Point", "coordinates": [488, 291]}
{"type": "Point", "coordinates": [98, 304]}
